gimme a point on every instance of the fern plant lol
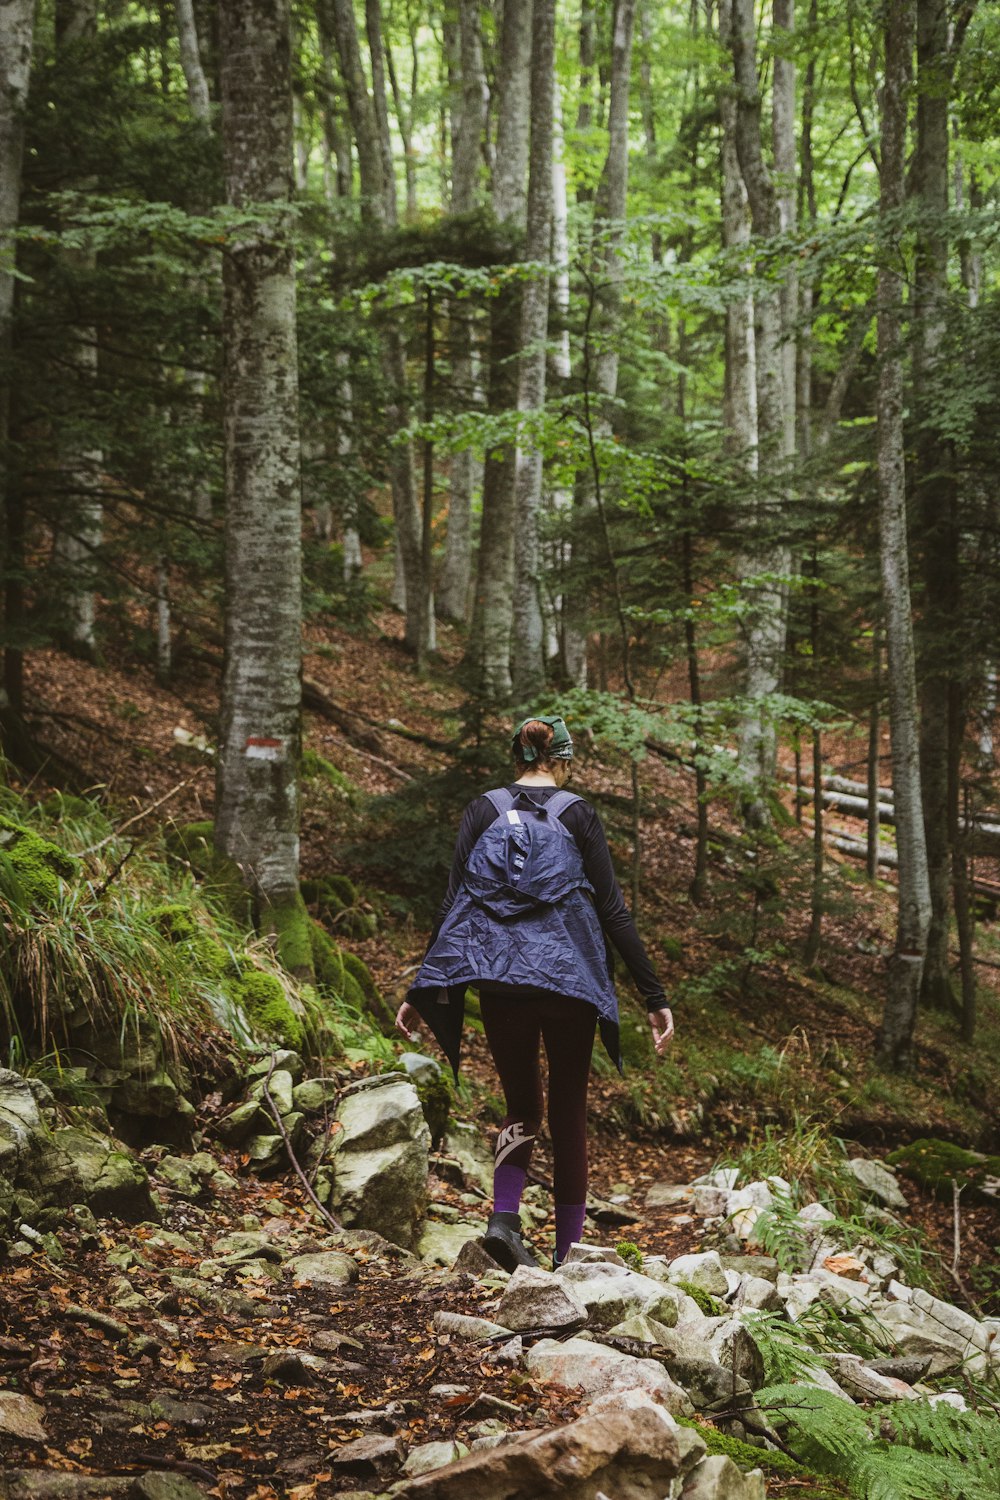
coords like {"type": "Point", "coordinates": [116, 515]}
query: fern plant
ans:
{"type": "Point", "coordinates": [913, 1451]}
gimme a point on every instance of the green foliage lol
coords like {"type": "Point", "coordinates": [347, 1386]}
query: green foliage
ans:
{"type": "Point", "coordinates": [746, 1457]}
{"type": "Point", "coordinates": [938, 1164]}
{"type": "Point", "coordinates": [268, 1008]}
{"type": "Point", "coordinates": [192, 845]}
{"type": "Point", "coordinates": [291, 926]}
{"type": "Point", "coordinates": [710, 1306]}
{"type": "Point", "coordinates": [916, 1452]}
{"type": "Point", "coordinates": [630, 1254]}
{"type": "Point", "coordinates": [34, 867]}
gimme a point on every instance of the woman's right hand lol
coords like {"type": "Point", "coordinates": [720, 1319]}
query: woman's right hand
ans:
{"type": "Point", "coordinates": [662, 1022]}
{"type": "Point", "coordinates": [408, 1021]}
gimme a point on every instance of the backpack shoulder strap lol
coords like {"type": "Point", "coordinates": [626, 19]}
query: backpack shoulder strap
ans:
{"type": "Point", "coordinates": [558, 803]}
{"type": "Point", "coordinates": [502, 800]}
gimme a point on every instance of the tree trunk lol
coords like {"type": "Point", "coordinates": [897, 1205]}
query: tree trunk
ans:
{"type": "Point", "coordinates": [256, 821]}
{"type": "Point", "coordinates": [489, 649]}
{"type": "Point", "coordinates": [767, 559]}
{"type": "Point", "coordinates": [894, 1046]}
{"type": "Point", "coordinates": [937, 510]}
{"type": "Point", "coordinates": [79, 536]}
{"type": "Point", "coordinates": [340, 23]}
{"type": "Point", "coordinates": [527, 640]}
{"type": "Point", "coordinates": [739, 403]}
{"type": "Point", "coordinates": [373, 23]}
{"type": "Point", "coordinates": [468, 129]}
{"type": "Point", "coordinates": [15, 72]}
{"type": "Point", "coordinates": [194, 73]}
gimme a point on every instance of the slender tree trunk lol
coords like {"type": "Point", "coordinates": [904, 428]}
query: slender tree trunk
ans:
{"type": "Point", "coordinates": [872, 766]}
{"type": "Point", "coordinates": [894, 1047]}
{"type": "Point", "coordinates": [527, 640]}
{"type": "Point", "coordinates": [739, 408]}
{"type": "Point", "coordinates": [80, 533]}
{"type": "Point", "coordinates": [194, 73]}
{"type": "Point", "coordinates": [937, 508]}
{"type": "Point", "coordinates": [468, 130]}
{"type": "Point", "coordinates": [373, 23]}
{"type": "Point", "coordinates": [491, 639]}
{"type": "Point", "coordinates": [256, 821]}
{"type": "Point", "coordinates": [17, 19]}
{"type": "Point", "coordinates": [339, 22]}
{"type": "Point", "coordinates": [767, 559]}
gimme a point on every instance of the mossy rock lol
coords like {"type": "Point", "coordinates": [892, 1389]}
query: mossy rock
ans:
{"type": "Point", "coordinates": [436, 1097]}
{"type": "Point", "coordinates": [710, 1306]}
{"type": "Point", "coordinates": [630, 1254]}
{"type": "Point", "coordinates": [176, 921]}
{"type": "Point", "coordinates": [936, 1164]}
{"type": "Point", "coordinates": [346, 977]}
{"type": "Point", "coordinates": [320, 1025]}
{"type": "Point", "coordinates": [36, 864]}
{"type": "Point", "coordinates": [336, 899]}
{"type": "Point", "coordinates": [268, 1009]}
{"type": "Point", "coordinates": [290, 925]}
{"type": "Point", "coordinates": [774, 1464]}
{"type": "Point", "coordinates": [193, 845]}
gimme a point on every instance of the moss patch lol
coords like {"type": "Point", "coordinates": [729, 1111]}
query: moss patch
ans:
{"type": "Point", "coordinates": [936, 1164]}
{"type": "Point", "coordinates": [192, 844]}
{"type": "Point", "coordinates": [775, 1464]}
{"type": "Point", "coordinates": [268, 1008]}
{"type": "Point", "coordinates": [290, 924]}
{"type": "Point", "coordinates": [36, 864]}
{"type": "Point", "coordinates": [710, 1306]}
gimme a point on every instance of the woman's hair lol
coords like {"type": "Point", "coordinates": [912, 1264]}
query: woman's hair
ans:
{"type": "Point", "coordinates": [538, 737]}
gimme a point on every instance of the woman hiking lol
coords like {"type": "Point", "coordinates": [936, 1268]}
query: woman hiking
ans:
{"type": "Point", "coordinates": [531, 904]}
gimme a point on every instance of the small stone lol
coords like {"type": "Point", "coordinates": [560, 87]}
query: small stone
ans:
{"type": "Point", "coordinates": [266, 1152]}
{"type": "Point", "coordinates": [419, 1066]}
{"type": "Point", "coordinates": [283, 1060]}
{"type": "Point", "coordinates": [21, 1418]}
{"type": "Point", "coordinates": [323, 1268]}
{"type": "Point", "coordinates": [591, 1255]}
{"type": "Point", "coordinates": [430, 1456]}
{"type": "Point", "coordinates": [711, 1202]}
{"type": "Point", "coordinates": [191, 1416]}
{"type": "Point", "coordinates": [461, 1326]}
{"type": "Point", "coordinates": [240, 1122]}
{"type": "Point", "coordinates": [367, 1457]}
{"type": "Point", "coordinates": [177, 1174]}
{"type": "Point", "coordinates": [293, 1367]}
{"type": "Point", "coordinates": [878, 1182]}
{"type": "Point", "coordinates": [475, 1261]}
{"type": "Point", "coordinates": [313, 1095]}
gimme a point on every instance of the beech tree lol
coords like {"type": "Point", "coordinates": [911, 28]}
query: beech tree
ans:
{"type": "Point", "coordinates": [256, 818]}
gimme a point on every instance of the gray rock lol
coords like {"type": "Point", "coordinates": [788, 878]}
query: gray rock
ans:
{"type": "Point", "coordinates": [266, 1152]}
{"type": "Point", "coordinates": [590, 1255]}
{"type": "Point", "coordinates": [900, 1368]}
{"type": "Point", "coordinates": [367, 1457]}
{"type": "Point", "coordinates": [440, 1244]}
{"type": "Point", "coordinates": [537, 1299]}
{"type": "Point", "coordinates": [596, 1370]}
{"type": "Point", "coordinates": [611, 1294]}
{"type": "Point", "coordinates": [49, 1484]}
{"type": "Point", "coordinates": [430, 1456]}
{"type": "Point", "coordinates": [419, 1066]}
{"type": "Point", "coordinates": [191, 1416]}
{"type": "Point", "coordinates": [106, 1176]}
{"type": "Point", "coordinates": [380, 1168]}
{"type": "Point", "coordinates": [709, 1387]}
{"type": "Point", "coordinates": [247, 1244]}
{"type": "Point", "coordinates": [718, 1478]}
{"type": "Point", "coordinates": [631, 1455]}
{"type": "Point", "coordinates": [240, 1122]}
{"type": "Point", "coordinates": [283, 1060]}
{"type": "Point", "coordinates": [702, 1270]}
{"type": "Point", "coordinates": [461, 1326]}
{"type": "Point", "coordinates": [751, 1265]}
{"type": "Point", "coordinates": [469, 1148]}
{"type": "Point", "coordinates": [475, 1261]}
{"type": "Point", "coordinates": [314, 1095]}
{"type": "Point", "coordinates": [757, 1294]}
{"type": "Point", "coordinates": [668, 1194]}
{"type": "Point", "coordinates": [879, 1182]}
{"type": "Point", "coordinates": [866, 1384]}
{"type": "Point", "coordinates": [21, 1418]}
{"type": "Point", "coordinates": [279, 1086]}
{"type": "Point", "coordinates": [180, 1177]}
{"type": "Point", "coordinates": [645, 1330]}
{"type": "Point", "coordinates": [711, 1202]}
{"type": "Point", "coordinates": [323, 1268]}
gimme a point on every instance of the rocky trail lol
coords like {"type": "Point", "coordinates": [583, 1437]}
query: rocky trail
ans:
{"type": "Point", "coordinates": [200, 1332]}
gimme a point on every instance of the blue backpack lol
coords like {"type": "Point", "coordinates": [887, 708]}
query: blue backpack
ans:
{"type": "Point", "coordinates": [526, 858]}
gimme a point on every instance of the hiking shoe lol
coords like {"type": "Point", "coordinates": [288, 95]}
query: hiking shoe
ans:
{"type": "Point", "coordinates": [503, 1241]}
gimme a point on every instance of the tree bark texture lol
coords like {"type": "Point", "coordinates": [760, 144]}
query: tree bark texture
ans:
{"type": "Point", "coordinates": [528, 665]}
{"type": "Point", "coordinates": [938, 644]}
{"type": "Point", "coordinates": [373, 24]}
{"type": "Point", "coordinates": [513, 113]}
{"type": "Point", "coordinates": [194, 73]}
{"type": "Point", "coordinates": [17, 20]}
{"type": "Point", "coordinates": [342, 26]}
{"type": "Point", "coordinates": [469, 128]}
{"type": "Point", "coordinates": [895, 1040]}
{"type": "Point", "coordinates": [739, 409]}
{"type": "Point", "coordinates": [767, 559]}
{"type": "Point", "coordinates": [256, 821]}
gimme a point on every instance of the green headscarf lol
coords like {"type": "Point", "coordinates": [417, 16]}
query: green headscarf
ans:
{"type": "Point", "coordinates": [561, 747]}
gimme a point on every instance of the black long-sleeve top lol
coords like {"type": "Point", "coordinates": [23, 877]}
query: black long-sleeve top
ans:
{"type": "Point", "coordinates": [584, 824]}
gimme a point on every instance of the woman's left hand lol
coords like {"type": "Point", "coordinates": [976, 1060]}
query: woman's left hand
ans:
{"type": "Point", "coordinates": [662, 1022]}
{"type": "Point", "coordinates": [408, 1021]}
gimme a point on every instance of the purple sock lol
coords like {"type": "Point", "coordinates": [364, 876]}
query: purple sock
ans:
{"type": "Point", "coordinates": [508, 1185]}
{"type": "Point", "coordinates": [569, 1226]}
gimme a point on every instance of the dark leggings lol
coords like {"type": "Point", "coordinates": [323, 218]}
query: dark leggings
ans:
{"type": "Point", "coordinates": [514, 1028]}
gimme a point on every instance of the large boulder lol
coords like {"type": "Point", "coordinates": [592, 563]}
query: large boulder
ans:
{"type": "Point", "coordinates": [380, 1167]}
{"type": "Point", "coordinates": [597, 1370]}
{"type": "Point", "coordinates": [630, 1454]}
{"type": "Point", "coordinates": [110, 1179]}
{"type": "Point", "coordinates": [612, 1293]}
